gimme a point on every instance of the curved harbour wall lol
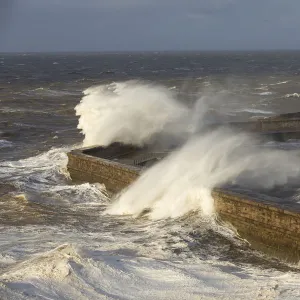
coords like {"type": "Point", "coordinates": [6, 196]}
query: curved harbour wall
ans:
{"type": "Point", "coordinates": [267, 223]}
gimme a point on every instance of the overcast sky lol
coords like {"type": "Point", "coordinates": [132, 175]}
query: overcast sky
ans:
{"type": "Point", "coordinates": [122, 25]}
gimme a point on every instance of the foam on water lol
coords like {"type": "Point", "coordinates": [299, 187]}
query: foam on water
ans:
{"type": "Point", "coordinates": [280, 82]}
{"type": "Point", "coordinates": [265, 93]}
{"type": "Point", "coordinates": [70, 273]}
{"type": "Point", "coordinates": [47, 174]}
{"type": "Point", "coordinates": [113, 257]}
{"type": "Point", "coordinates": [256, 111]}
{"type": "Point", "coordinates": [88, 254]}
{"type": "Point", "coordinates": [294, 95]}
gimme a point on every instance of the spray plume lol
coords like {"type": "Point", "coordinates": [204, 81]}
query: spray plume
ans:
{"type": "Point", "coordinates": [136, 113]}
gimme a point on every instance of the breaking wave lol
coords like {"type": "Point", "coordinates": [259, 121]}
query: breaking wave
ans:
{"type": "Point", "coordinates": [280, 82]}
{"type": "Point", "coordinates": [256, 111]}
{"type": "Point", "coordinates": [294, 95]}
{"type": "Point", "coordinates": [130, 113]}
{"type": "Point", "coordinates": [265, 93]}
{"type": "Point", "coordinates": [102, 257]}
{"type": "Point", "coordinates": [44, 178]}
{"type": "Point", "coordinates": [69, 272]}
{"type": "Point", "coordinates": [183, 181]}
{"type": "Point", "coordinates": [141, 113]}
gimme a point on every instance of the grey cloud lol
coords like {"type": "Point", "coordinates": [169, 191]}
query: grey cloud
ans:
{"type": "Point", "coordinates": [6, 7]}
{"type": "Point", "coordinates": [101, 25]}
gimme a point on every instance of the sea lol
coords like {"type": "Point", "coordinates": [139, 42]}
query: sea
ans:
{"type": "Point", "coordinates": [66, 240]}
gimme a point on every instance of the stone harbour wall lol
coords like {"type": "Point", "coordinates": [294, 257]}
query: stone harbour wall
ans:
{"type": "Point", "coordinates": [273, 227]}
{"type": "Point", "coordinates": [113, 175]}
{"type": "Point", "coordinates": [269, 125]}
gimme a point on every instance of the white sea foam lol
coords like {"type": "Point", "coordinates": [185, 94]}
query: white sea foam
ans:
{"type": "Point", "coordinates": [265, 93]}
{"type": "Point", "coordinates": [123, 258]}
{"type": "Point", "coordinates": [294, 95]}
{"type": "Point", "coordinates": [69, 272]}
{"type": "Point", "coordinates": [263, 87]}
{"type": "Point", "coordinates": [255, 111]}
{"type": "Point", "coordinates": [46, 174]}
{"type": "Point", "coordinates": [280, 82]}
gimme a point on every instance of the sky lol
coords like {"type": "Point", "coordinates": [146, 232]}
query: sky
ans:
{"type": "Point", "coordinates": [148, 25]}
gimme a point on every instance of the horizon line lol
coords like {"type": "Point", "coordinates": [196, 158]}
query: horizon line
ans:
{"type": "Point", "coordinates": [144, 51]}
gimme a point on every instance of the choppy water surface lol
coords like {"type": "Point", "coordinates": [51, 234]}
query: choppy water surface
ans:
{"type": "Point", "coordinates": [57, 240]}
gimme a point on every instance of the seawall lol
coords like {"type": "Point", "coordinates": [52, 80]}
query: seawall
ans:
{"type": "Point", "coordinates": [269, 224]}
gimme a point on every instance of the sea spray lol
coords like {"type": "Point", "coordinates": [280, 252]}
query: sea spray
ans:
{"type": "Point", "coordinates": [140, 113]}
{"type": "Point", "coordinates": [130, 113]}
{"type": "Point", "coordinates": [183, 181]}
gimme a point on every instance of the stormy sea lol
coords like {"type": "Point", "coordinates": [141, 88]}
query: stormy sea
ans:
{"type": "Point", "coordinates": [65, 240]}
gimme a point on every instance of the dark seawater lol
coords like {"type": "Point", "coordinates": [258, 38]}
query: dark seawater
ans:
{"type": "Point", "coordinates": [38, 92]}
{"type": "Point", "coordinates": [105, 257]}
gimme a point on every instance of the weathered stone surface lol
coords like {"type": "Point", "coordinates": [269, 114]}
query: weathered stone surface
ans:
{"type": "Point", "coordinates": [273, 227]}
{"type": "Point", "coordinates": [87, 168]}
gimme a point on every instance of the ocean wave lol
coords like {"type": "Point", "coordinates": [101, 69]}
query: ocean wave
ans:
{"type": "Point", "coordinates": [182, 69]}
{"type": "Point", "coordinates": [255, 111]}
{"type": "Point", "coordinates": [96, 274]}
{"type": "Point", "coordinates": [265, 93]}
{"type": "Point", "coordinates": [280, 82]}
{"type": "Point", "coordinates": [53, 93]}
{"type": "Point", "coordinates": [152, 114]}
{"type": "Point", "coordinates": [5, 144]}
{"type": "Point", "coordinates": [11, 110]}
{"type": "Point", "coordinates": [46, 175]}
{"type": "Point", "coordinates": [264, 88]}
{"type": "Point", "coordinates": [294, 95]}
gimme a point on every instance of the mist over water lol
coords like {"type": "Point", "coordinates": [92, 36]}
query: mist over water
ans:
{"type": "Point", "coordinates": [138, 113]}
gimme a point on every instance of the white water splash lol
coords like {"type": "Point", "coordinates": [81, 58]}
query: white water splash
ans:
{"type": "Point", "coordinates": [137, 113]}
{"type": "Point", "coordinates": [130, 112]}
{"type": "Point", "coordinates": [183, 181]}
{"type": "Point", "coordinates": [141, 113]}
{"type": "Point", "coordinates": [294, 95]}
